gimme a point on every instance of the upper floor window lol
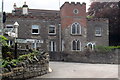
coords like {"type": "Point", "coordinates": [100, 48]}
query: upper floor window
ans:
{"type": "Point", "coordinates": [76, 45]}
{"type": "Point", "coordinates": [98, 31]}
{"type": "Point", "coordinates": [75, 11]}
{"type": "Point", "coordinates": [52, 29]}
{"type": "Point", "coordinates": [76, 29]}
{"type": "Point", "coordinates": [9, 28]}
{"type": "Point", "coordinates": [35, 29]}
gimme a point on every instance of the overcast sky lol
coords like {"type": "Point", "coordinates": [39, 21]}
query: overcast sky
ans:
{"type": "Point", "coordinates": [38, 4]}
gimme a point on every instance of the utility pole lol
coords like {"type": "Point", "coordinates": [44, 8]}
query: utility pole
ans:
{"type": "Point", "coordinates": [1, 29]}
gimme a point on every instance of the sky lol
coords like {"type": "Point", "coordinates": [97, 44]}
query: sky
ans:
{"type": "Point", "coordinates": [38, 4]}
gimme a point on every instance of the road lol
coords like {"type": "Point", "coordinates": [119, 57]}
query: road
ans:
{"type": "Point", "coordinates": [81, 70]}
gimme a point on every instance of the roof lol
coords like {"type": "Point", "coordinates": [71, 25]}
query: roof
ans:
{"type": "Point", "coordinates": [37, 13]}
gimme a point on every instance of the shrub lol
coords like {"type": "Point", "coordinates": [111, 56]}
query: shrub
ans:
{"type": "Point", "coordinates": [3, 40]}
{"type": "Point", "coordinates": [103, 49]}
{"type": "Point", "coordinates": [106, 48]}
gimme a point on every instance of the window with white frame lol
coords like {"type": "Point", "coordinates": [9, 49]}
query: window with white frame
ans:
{"type": "Point", "coordinates": [76, 45]}
{"type": "Point", "coordinates": [76, 28]}
{"type": "Point", "coordinates": [75, 11]}
{"type": "Point", "coordinates": [91, 46]}
{"type": "Point", "coordinates": [35, 29]}
{"type": "Point", "coordinates": [52, 29]}
{"type": "Point", "coordinates": [52, 46]}
{"type": "Point", "coordinates": [97, 31]}
{"type": "Point", "coordinates": [8, 28]}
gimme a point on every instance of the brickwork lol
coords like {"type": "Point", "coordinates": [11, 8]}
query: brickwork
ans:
{"type": "Point", "coordinates": [67, 14]}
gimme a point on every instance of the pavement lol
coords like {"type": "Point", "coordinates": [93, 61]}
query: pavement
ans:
{"type": "Point", "coordinates": [81, 70]}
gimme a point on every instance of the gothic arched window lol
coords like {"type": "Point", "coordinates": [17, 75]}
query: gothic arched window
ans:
{"type": "Point", "coordinates": [75, 28]}
{"type": "Point", "coordinates": [76, 45]}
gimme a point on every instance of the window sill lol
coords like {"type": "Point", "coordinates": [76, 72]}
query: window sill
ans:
{"type": "Point", "coordinates": [35, 33]}
{"type": "Point", "coordinates": [52, 34]}
{"type": "Point", "coordinates": [76, 34]}
{"type": "Point", "coordinates": [76, 50]}
{"type": "Point", "coordinates": [98, 35]}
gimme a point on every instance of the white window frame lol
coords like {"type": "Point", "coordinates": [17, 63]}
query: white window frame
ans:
{"type": "Point", "coordinates": [51, 47]}
{"type": "Point", "coordinates": [75, 10]}
{"type": "Point", "coordinates": [76, 29]}
{"type": "Point", "coordinates": [100, 30]}
{"type": "Point", "coordinates": [54, 29]}
{"type": "Point", "coordinates": [9, 29]}
{"type": "Point", "coordinates": [76, 45]}
{"type": "Point", "coordinates": [35, 28]}
{"type": "Point", "coordinates": [93, 44]}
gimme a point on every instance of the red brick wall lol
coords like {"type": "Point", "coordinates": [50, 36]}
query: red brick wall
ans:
{"type": "Point", "coordinates": [68, 17]}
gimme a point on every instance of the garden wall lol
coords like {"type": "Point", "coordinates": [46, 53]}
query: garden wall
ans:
{"type": "Point", "coordinates": [110, 57]}
{"type": "Point", "coordinates": [28, 69]}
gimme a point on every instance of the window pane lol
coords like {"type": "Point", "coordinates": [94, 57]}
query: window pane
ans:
{"type": "Point", "coordinates": [73, 29]}
{"type": "Point", "coordinates": [97, 30]}
{"type": "Point", "coordinates": [52, 46]}
{"type": "Point", "coordinates": [90, 46]}
{"type": "Point", "coordinates": [78, 45]}
{"type": "Point", "coordinates": [78, 29]}
{"type": "Point", "coordinates": [35, 27]}
{"type": "Point", "coordinates": [51, 29]}
{"type": "Point", "coordinates": [74, 45]}
{"type": "Point", "coordinates": [35, 31]}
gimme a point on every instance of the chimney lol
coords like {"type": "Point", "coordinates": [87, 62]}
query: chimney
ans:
{"type": "Point", "coordinates": [14, 6]}
{"type": "Point", "coordinates": [25, 9]}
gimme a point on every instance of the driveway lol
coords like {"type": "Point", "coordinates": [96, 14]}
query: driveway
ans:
{"type": "Point", "coordinates": [81, 70]}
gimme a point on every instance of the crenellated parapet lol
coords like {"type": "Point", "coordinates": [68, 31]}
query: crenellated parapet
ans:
{"type": "Point", "coordinates": [74, 4]}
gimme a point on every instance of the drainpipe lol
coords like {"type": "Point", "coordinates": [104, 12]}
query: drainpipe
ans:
{"type": "Point", "coordinates": [60, 47]}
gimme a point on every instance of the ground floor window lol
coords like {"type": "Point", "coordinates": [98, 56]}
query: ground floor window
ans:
{"type": "Point", "coordinates": [36, 45]}
{"type": "Point", "coordinates": [91, 46]}
{"type": "Point", "coordinates": [10, 42]}
{"type": "Point", "coordinates": [76, 45]}
{"type": "Point", "coordinates": [52, 46]}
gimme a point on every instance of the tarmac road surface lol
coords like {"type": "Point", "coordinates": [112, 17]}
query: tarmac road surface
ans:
{"type": "Point", "coordinates": [81, 70]}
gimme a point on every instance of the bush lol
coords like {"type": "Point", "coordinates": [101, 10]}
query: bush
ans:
{"type": "Point", "coordinates": [3, 40]}
{"type": "Point", "coordinates": [105, 49]}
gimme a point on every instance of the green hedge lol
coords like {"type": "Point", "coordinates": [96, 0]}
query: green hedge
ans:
{"type": "Point", "coordinates": [105, 49]}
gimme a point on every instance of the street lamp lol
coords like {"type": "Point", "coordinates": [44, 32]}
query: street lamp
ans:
{"type": "Point", "coordinates": [16, 35]}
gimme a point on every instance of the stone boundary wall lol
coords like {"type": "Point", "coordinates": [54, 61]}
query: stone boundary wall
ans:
{"type": "Point", "coordinates": [28, 70]}
{"type": "Point", "coordinates": [88, 57]}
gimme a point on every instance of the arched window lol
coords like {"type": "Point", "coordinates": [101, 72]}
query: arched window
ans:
{"type": "Point", "coordinates": [75, 28]}
{"type": "Point", "coordinates": [76, 45]}
{"type": "Point", "coordinates": [91, 45]}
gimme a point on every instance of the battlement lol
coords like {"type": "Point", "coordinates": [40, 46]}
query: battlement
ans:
{"type": "Point", "coordinates": [73, 3]}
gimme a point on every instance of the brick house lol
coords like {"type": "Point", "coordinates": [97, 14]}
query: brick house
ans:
{"type": "Point", "coordinates": [67, 30]}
